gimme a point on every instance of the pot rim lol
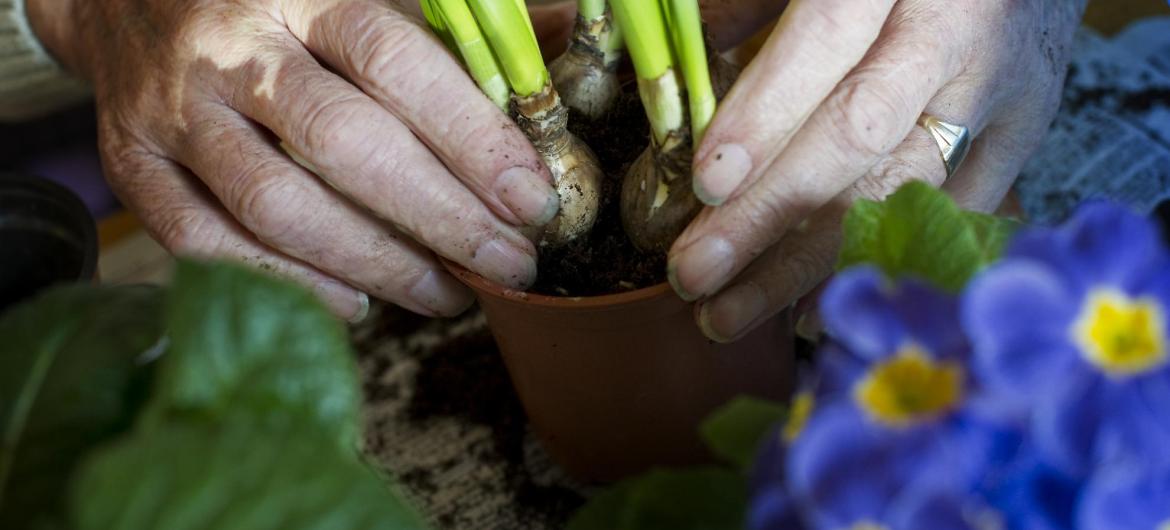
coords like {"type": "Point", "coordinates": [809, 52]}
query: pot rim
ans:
{"type": "Point", "coordinates": [74, 217]}
{"type": "Point", "coordinates": [484, 286]}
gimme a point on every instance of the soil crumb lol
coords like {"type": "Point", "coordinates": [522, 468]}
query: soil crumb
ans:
{"type": "Point", "coordinates": [466, 378]}
{"type": "Point", "coordinates": [606, 262]}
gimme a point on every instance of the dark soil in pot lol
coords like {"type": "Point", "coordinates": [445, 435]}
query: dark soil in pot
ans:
{"type": "Point", "coordinates": [606, 262]}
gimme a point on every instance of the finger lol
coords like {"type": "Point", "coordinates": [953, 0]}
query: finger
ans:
{"type": "Point", "coordinates": [815, 44]}
{"type": "Point", "coordinates": [375, 161]}
{"type": "Point", "coordinates": [402, 66]}
{"type": "Point", "coordinates": [997, 158]}
{"type": "Point", "coordinates": [866, 117]}
{"type": "Point", "coordinates": [178, 214]}
{"type": "Point", "coordinates": [805, 257]}
{"type": "Point", "coordinates": [295, 213]}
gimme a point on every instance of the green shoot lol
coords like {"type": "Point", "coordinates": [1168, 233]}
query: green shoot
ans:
{"type": "Point", "coordinates": [460, 26]}
{"type": "Point", "coordinates": [665, 38]}
{"type": "Point", "coordinates": [644, 30]}
{"type": "Point", "coordinates": [591, 9]}
{"type": "Point", "coordinates": [508, 30]}
{"type": "Point", "coordinates": [435, 20]}
{"type": "Point", "coordinates": [686, 27]}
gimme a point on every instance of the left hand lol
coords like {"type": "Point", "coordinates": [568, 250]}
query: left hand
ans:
{"type": "Point", "coordinates": [827, 114]}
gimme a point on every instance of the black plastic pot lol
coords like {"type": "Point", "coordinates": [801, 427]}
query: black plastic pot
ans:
{"type": "Point", "coordinates": [47, 236]}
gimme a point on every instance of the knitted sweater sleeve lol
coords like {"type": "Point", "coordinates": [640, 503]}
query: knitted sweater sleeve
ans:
{"type": "Point", "coordinates": [31, 82]}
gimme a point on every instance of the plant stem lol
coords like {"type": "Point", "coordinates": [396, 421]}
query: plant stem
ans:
{"type": "Point", "coordinates": [591, 9]}
{"type": "Point", "coordinates": [506, 25]}
{"type": "Point", "coordinates": [469, 41]}
{"type": "Point", "coordinates": [644, 27]}
{"type": "Point", "coordinates": [687, 29]}
{"type": "Point", "coordinates": [435, 20]}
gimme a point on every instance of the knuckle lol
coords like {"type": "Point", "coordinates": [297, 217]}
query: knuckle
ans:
{"type": "Point", "coordinates": [271, 206]}
{"type": "Point", "coordinates": [186, 232]}
{"type": "Point", "coordinates": [889, 174]}
{"type": "Point", "coordinates": [808, 264]}
{"type": "Point", "coordinates": [392, 48]}
{"type": "Point", "coordinates": [766, 216]}
{"type": "Point", "coordinates": [866, 118]}
{"type": "Point", "coordinates": [326, 117]}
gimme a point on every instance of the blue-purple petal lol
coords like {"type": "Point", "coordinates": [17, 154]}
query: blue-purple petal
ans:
{"type": "Point", "coordinates": [925, 507]}
{"type": "Point", "coordinates": [1067, 423]}
{"type": "Point", "coordinates": [1103, 244]}
{"type": "Point", "coordinates": [773, 509]}
{"type": "Point", "coordinates": [1017, 316]}
{"type": "Point", "coordinates": [1030, 494]}
{"type": "Point", "coordinates": [855, 308]}
{"type": "Point", "coordinates": [873, 317]}
{"type": "Point", "coordinates": [1137, 427]}
{"type": "Point", "coordinates": [1126, 499]}
{"type": "Point", "coordinates": [846, 468]}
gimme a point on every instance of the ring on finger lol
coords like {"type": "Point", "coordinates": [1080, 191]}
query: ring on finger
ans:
{"type": "Point", "coordinates": [954, 141]}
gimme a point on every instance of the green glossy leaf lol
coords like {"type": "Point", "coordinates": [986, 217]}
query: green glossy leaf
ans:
{"type": "Point", "coordinates": [235, 476]}
{"type": "Point", "coordinates": [920, 232]}
{"type": "Point", "coordinates": [72, 374]}
{"type": "Point", "coordinates": [692, 499]}
{"type": "Point", "coordinates": [246, 344]}
{"type": "Point", "coordinates": [734, 431]}
{"type": "Point", "coordinates": [992, 233]}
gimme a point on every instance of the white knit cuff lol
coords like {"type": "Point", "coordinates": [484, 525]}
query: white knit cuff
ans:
{"type": "Point", "coordinates": [31, 82]}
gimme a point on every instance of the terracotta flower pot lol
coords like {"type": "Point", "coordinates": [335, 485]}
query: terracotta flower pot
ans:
{"type": "Point", "coordinates": [614, 385]}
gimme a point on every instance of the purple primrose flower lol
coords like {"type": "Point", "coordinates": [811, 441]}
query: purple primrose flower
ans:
{"type": "Point", "coordinates": [1072, 326]}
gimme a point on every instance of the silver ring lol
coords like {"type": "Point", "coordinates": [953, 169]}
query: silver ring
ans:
{"type": "Point", "coordinates": [954, 141]}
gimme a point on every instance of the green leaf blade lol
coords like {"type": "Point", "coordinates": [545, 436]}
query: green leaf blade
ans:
{"type": "Point", "coordinates": [71, 376]}
{"type": "Point", "coordinates": [190, 476]}
{"type": "Point", "coordinates": [735, 430]}
{"type": "Point", "coordinates": [259, 347]}
{"type": "Point", "coordinates": [920, 232]}
{"type": "Point", "coordinates": [692, 499]}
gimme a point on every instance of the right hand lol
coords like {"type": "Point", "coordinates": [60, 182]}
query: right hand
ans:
{"type": "Point", "coordinates": [194, 98]}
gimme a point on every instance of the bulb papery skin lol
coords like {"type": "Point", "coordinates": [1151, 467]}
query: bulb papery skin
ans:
{"type": "Point", "coordinates": [657, 198]}
{"type": "Point", "coordinates": [586, 74]}
{"type": "Point", "coordinates": [575, 169]}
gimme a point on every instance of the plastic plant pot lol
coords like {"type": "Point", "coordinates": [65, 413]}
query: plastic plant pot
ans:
{"type": "Point", "coordinates": [46, 237]}
{"type": "Point", "coordinates": [618, 384]}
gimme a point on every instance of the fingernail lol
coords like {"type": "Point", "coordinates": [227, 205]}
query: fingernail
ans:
{"type": "Point", "coordinates": [721, 173]}
{"type": "Point", "coordinates": [730, 315]}
{"type": "Point", "coordinates": [809, 326]}
{"type": "Point", "coordinates": [441, 293]}
{"type": "Point", "coordinates": [701, 268]}
{"type": "Point", "coordinates": [530, 197]}
{"type": "Point", "coordinates": [504, 263]}
{"type": "Point", "coordinates": [344, 300]}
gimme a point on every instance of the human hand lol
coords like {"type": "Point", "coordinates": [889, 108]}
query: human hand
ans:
{"type": "Point", "coordinates": [826, 114]}
{"type": "Point", "coordinates": [194, 98]}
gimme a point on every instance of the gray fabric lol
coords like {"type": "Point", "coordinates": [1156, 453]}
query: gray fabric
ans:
{"type": "Point", "coordinates": [31, 82]}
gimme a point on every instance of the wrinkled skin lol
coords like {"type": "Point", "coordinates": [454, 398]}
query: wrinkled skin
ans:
{"type": "Point", "coordinates": [412, 161]}
{"type": "Point", "coordinates": [194, 98]}
{"type": "Point", "coordinates": [826, 114]}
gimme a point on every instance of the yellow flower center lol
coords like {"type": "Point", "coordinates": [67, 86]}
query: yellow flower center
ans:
{"type": "Point", "coordinates": [1120, 335]}
{"type": "Point", "coordinates": [1165, 525]}
{"type": "Point", "coordinates": [867, 525]}
{"type": "Point", "coordinates": [802, 407]}
{"type": "Point", "coordinates": [909, 387]}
